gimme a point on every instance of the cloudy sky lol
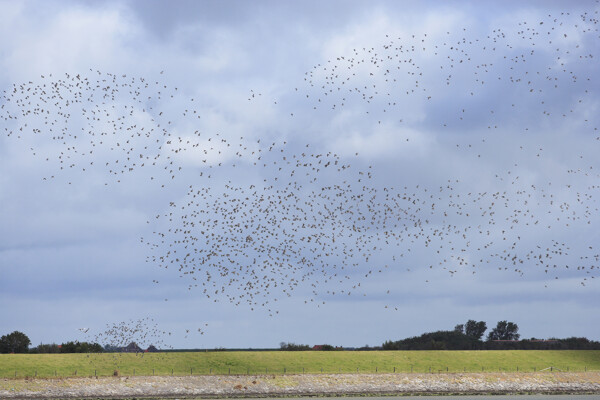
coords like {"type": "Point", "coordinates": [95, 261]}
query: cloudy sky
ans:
{"type": "Point", "coordinates": [238, 174]}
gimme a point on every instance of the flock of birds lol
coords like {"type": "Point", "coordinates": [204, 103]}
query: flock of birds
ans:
{"type": "Point", "coordinates": [144, 332]}
{"type": "Point", "coordinates": [261, 220]}
{"type": "Point", "coordinates": [136, 336]}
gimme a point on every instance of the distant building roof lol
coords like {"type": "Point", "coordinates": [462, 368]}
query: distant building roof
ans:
{"type": "Point", "coordinates": [131, 348]}
{"type": "Point", "coordinates": [151, 349]}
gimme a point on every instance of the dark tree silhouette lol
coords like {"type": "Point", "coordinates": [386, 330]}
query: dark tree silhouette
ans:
{"type": "Point", "coordinates": [81, 347]}
{"type": "Point", "coordinates": [16, 342]}
{"type": "Point", "coordinates": [504, 331]}
{"type": "Point", "coordinates": [475, 329]}
{"type": "Point", "coordinates": [293, 346]}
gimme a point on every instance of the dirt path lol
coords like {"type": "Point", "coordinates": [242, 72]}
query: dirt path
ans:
{"type": "Point", "coordinates": [298, 385]}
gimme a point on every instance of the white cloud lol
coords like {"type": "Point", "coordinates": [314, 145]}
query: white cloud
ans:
{"type": "Point", "coordinates": [67, 40]}
{"type": "Point", "coordinates": [385, 140]}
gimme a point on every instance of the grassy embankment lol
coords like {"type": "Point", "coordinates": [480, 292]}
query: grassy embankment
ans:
{"type": "Point", "coordinates": [278, 362]}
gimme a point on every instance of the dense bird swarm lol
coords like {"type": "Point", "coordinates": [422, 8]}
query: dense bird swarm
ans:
{"type": "Point", "coordinates": [261, 219]}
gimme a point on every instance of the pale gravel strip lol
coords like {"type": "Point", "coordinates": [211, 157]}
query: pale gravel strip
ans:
{"type": "Point", "coordinates": [298, 385]}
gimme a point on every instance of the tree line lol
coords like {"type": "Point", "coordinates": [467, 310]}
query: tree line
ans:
{"type": "Point", "coordinates": [469, 336]}
{"type": "Point", "coordinates": [18, 342]}
{"type": "Point", "coordinates": [303, 347]}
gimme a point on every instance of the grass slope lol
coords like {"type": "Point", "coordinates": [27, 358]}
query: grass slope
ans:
{"type": "Point", "coordinates": [278, 362]}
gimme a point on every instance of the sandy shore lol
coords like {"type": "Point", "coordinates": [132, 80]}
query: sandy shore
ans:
{"type": "Point", "coordinates": [299, 385]}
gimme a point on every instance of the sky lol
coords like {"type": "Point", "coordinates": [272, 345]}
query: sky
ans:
{"type": "Point", "coordinates": [239, 174]}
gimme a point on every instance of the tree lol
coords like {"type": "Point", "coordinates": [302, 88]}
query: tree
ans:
{"type": "Point", "coordinates": [109, 348]}
{"type": "Point", "coordinates": [474, 329]}
{"type": "Point", "coordinates": [45, 349]}
{"type": "Point", "coordinates": [80, 347]}
{"type": "Point", "coordinates": [504, 331]}
{"type": "Point", "coordinates": [16, 342]}
{"type": "Point", "coordinates": [460, 328]}
{"type": "Point", "coordinates": [327, 347]}
{"type": "Point", "coordinates": [439, 340]}
{"type": "Point", "coordinates": [293, 346]}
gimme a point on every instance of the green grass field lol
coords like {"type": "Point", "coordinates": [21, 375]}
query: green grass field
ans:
{"type": "Point", "coordinates": [279, 362]}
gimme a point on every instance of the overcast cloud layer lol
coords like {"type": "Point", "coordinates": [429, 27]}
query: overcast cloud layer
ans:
{"type": "Point", "coordinates": [165, 164]}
